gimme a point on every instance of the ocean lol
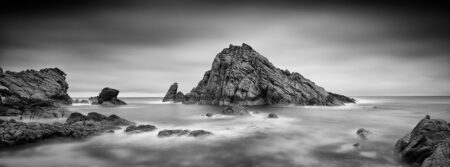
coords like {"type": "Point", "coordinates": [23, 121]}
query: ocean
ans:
{"type": "Point", "coordinates": [303, 136]}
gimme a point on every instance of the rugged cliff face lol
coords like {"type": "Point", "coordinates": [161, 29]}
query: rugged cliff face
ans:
{"type": "Point", "coordinates": [240, 75]}
{"type": "Point", "coordinates": [33, 91]}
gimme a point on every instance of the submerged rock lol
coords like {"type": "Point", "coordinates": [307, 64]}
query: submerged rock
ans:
{"type": "Point", "coordinates": [34, 93]}
{"type": "Point", "coordinates": [362, 133]}
{"type": "Point", "coordinates": [76, 126]}
{"type": "Point", "coordinates": [107, 97]}
{"type": "Point", "coordinates": [198, 133]}
{"type": "Point", "coordinates": [173, 132]}
{"type": "Point", "coordinates": [272, 115]}
{"type": "Point", "coordinates": [140, 128]}
{"type": "Point", "coordinates": [173, 95]}
{"type": "Point", "coordinates": [235, 110]}
{"type": "Point", "coordinates": [240, 75]}
{"type": "Point", "coordinates": [427, 145]}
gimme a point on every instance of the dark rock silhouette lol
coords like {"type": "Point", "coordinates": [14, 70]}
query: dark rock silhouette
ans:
{"type": "Point", "coordinates": [183, 132]}
{"type": "Point", "coordinates": [240, 75]}
{"type": "Point", "coordinates": [108, 97]}
{"type": "Point", "coordinates": [362, 133]}
{"type": "Point", "coordinates": [34, 93]}
{"type": "Point", "coordinates": [428, 144]}
{"type": "Point", "coordinates": [76, 126]}
{"type": "Point", "coordinates": [173, 95]}
{"type": "Point", "coordinates": [139, 128]}
{"type": "Point", "coordinates": [198, 133]}
{"type": "Point", "coordinates": [272, 115]}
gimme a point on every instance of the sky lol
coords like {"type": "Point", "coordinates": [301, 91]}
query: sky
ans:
{"type": "Point", "coordinates": [141, 47]}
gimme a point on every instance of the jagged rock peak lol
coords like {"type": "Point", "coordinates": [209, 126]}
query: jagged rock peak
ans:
{"type": "Point", "coordinates": [240, 75]}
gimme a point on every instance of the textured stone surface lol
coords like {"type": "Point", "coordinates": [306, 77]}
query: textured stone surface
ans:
{"type": "Point", "coordinates": [235, 110]}
{"type": "Point", "coordinates": [139, 128]}
{"type": "Point", "coordinates": [173, 95]}
{"type": "Point", "coordinates": [427, 144]}
{"type": "Point", "coordinates": [33, 91]}
{"type": "Point", "coordinates": [240, 75]}
{"type": "Point", "coordinates": [76, 126]}
{"type": "Point", "coordinates": [183, 132]}
{"type": "Point", "coordinates": [107, 97]}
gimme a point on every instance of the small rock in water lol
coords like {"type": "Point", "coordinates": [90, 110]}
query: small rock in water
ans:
{"type": "Point", "coordinates": [235, 110]}
{"type": "Point", "coordinates": [272, 115]}
{"type": "Point", "coordinates": [140, 128]}
{"type": "Point", "coordinates": [356, 144]}
{"type": "Point", "coordinates": [208, 114]}
{"type": "Point", "coordinates": [198, 133]}
{"type": "Point", "coordinates": [173, 132]}
{"type": "Point", "coordinates": [362, 133]}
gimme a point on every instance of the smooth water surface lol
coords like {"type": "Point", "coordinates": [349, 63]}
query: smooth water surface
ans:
{"type": "Point", "coordinates": [310, 136]}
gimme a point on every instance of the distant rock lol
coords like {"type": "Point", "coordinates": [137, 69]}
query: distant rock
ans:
{"type": "Point", "coordinates": [428, 144]}
{"type": "Point", "coordinates": [107, 97]}
{"type": "Point", "coordinates": [34, 93]}
{"type": "Point", "coordinates": [183, 132]}
{"type": "Point", "coordinates": [173, 95]}
{"type": "Point", "coordinates": [362, 133]}
{"type": "Point", "coordinates": [272, 115]}
{"type": "Point", "coordinates": [139, 128]}
{"type": "Point", "coordinates": [76, 126]}
{"type": "Point", "coordinates": [209, 114]}
{"type": "Point", "coordinates": [240, 75]}
{"type": "Point", "coordinates": [235, 110]}
{"type": "Point", "coordinates": [80, 101]}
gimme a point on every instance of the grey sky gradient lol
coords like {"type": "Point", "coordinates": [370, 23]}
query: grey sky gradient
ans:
{"type": "Point", "coordinates": [141, 48]}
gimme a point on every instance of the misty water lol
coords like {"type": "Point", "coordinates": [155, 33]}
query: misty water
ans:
{"type": "Point", "coordinates": [313, 136]}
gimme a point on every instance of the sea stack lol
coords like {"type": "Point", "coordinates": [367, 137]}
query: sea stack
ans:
{"type": "Point", "coordinates": [241, 76]}
{"type": "Point", "coordinates": [32, 93]}
{"type": "Point", "coordinates": [108, 97]}
{"type": "Point", "coordinates": [173, 95]}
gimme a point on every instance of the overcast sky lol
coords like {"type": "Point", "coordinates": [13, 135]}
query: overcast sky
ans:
{"type": "Point", "coordinates": [141, 47]}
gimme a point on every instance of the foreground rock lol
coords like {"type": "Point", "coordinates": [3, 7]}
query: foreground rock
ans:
{"type": "Point", "coordinates": [240, 75]}
{"type": "Point", "coordinates": [173, 95]}
{"type": "Point", "coordinates": [140, 128]}
{"type": "Point", "coordinates": [272, 115]}
{"type": "Point", "coordinates": [235, 110]}
{"type": "Point", "coordinates": [107, 97]}
{"type": "Point", "coordinates": [183, 132]}
{"type": "Point", "coordinates": [33, 93]}
{"type": "Point", "coordinates": [76, 126]}
{"type": "Point", "coordinates": [428, 144]}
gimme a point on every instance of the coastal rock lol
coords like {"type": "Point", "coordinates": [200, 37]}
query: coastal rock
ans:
{"type": "Point", "coordinates": [362, 133]}
{"type": "Point", "coordinates": [235, 110]}
{"type": "Point", "coordinates": [77, 126]}
{"type": "Point", "coordinates": [427, 144]}
{"type": "Point", "coordinates": [272, 115]}
{"type": "Point", "coordinates": [107, 97]}
{"type": "Point", "coordinates": [199, 133]}
{"type": "Point", "coordinates": [173, 95]}
{"type": "Point", "coordinates": [140, 128]}
{"type": "Point", "coordinates": [173, 132]}
{"type": "Point", "coordinates": [34, 92]}
{"type": "Point", "coordinates": [240, 75]}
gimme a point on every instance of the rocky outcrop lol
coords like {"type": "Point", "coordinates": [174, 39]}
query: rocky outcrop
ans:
{"type": "Point", "coordinates": [139, 128]}
{"type": "Point", "coordinates": [183, 132]}
{"type": "Point", "coordinates": [235, 110]}
{"type": "Point", "coordinates": [76, 126]}
{"type": "Point", "coordinates": [272, 115]}
{"type": "Point", "coordinates": [173, 95]}
{"type": "Point", "coordinates": [428, 144]}
{"type": "Point", "coordinates": [34, 92]}
{"type": "Point", "coordinates": [107, 97]}
{"type": "Point", "coordinates": [240, 75]}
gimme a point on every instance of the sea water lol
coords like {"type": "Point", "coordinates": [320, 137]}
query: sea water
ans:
{"type": "Point", "coordinates": [304, 136]}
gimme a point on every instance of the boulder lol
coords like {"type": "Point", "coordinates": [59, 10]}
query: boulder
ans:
{"type": "Point", "coordinates": [199, 133]}
{"type": "Point", "coordinates": [235, 110]}
{"type": "Point", "coordinates": [240, 75]}
{"type": "Point", "coordinates": [94, 116]}
{"type": "Point", "coordinates": [140, 128]}
{"type": "Point", "coordinates": [427, 145]}
{"type": "Point", "coordinates": [272, 115]}
{"type": "Point", "coordinates": [32, 90]}
{"type": "Point", "coordinates": [173, 132]}
{"type": "Point", "coordinates": [362, 133]}
{"type": "Point", "coordinates": [107, 97]}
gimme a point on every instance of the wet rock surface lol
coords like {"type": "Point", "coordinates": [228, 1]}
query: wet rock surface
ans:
{"type": "Point", "coordinates": [183, 132]}
{"type": "Point", "coordinates": [107, 97]}
{"type": "Point", "coordinates": [140, 128]}
{"type": "Point", "coordinates": [235, 110]}
{"type": "Point", "coordinates": [33, 93]}
{"type": "Point", "coordinates": [77, 126]}
{"type": "Point", "coordinates": [428, 144]}
{"type": "Point", "coordinates": [240, 75]}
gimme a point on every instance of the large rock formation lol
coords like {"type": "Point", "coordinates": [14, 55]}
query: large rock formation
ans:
{"type": "Point", "coordinates": [76, 126]}
{"type": "Point", "coordinates": [34, 93]}
{"type": "Point", "coordinates": [240, 75]}
{"type": "Point", "coordinates": [173, 95]}
{"type": "Point", "coordinates": [108, 96]}
{"type": "Point", "coordinates": [428, 144]}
